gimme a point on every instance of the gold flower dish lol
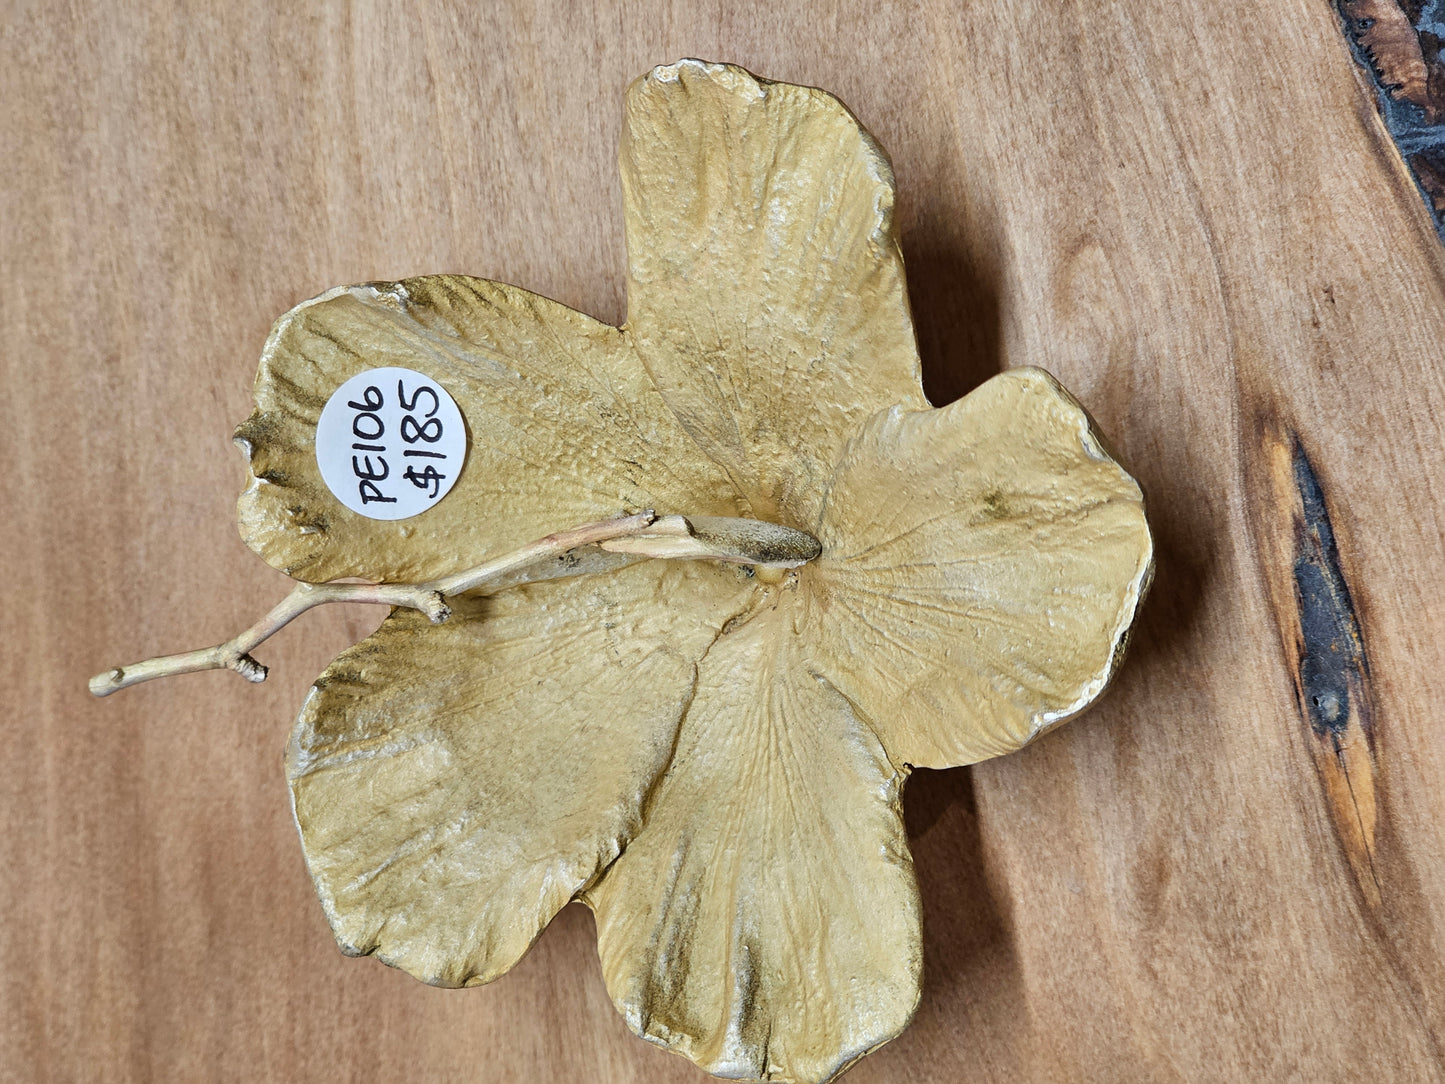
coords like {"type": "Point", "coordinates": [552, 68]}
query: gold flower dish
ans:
{"type": "Point", "coordinates": [782, 581]}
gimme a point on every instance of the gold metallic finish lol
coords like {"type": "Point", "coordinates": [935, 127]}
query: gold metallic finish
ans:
{"type": "Point", "coordinates": [710, 752]}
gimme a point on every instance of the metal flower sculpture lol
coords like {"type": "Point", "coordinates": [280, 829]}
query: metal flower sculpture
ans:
{"type": "Point", "coordinates": [709, 753]}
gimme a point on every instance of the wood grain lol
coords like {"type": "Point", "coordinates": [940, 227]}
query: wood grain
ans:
{"type": "Point", "coordinates": [1216, 248]}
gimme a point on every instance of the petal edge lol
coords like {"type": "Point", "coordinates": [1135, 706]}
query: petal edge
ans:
{"type": "Point", "coordinates": [455, 785]}
{"type": "Point", "coordinates": [983, 565]}
{"type": "Point", "coordinates": [765, 283]}
{"type": "Point", "coordinates": [564, 428]}
{"type": "Point", "coordinates": [765, 922]}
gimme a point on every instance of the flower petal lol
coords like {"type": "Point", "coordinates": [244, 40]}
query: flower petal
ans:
{"type": "Point", "coordinates": [765, 288]}
{"type": "Point", "coordinates": [982, 565]}
{"type": "Point", "coordinates": [765, 921]}
{"type": "Point", "coordinates": [456, 785]}
{"type": "Point", "coordinates": [564, 424]}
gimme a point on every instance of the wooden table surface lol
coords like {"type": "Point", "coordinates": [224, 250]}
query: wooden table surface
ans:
{"type": "Point", "coordinates": [1232, 869]}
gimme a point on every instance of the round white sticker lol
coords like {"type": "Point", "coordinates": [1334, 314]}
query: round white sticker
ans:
{"type": "Point", "coordinates": [390, 443]}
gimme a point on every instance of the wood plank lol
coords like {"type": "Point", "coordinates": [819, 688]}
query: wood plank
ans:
{"type": "Point", "coordinates": [1211, 241]}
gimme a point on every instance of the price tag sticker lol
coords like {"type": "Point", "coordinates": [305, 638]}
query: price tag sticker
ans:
{"type": "Point", "coordinates": [390, 443]}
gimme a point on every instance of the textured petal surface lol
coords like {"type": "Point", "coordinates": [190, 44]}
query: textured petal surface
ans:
{"type": "Point", "coordinates": [765, 921]}
{"type": "Point", "coordinates": [565, 427]}
{"type": "Point", "coordinates": [981, 567]}
{"type": "Point", "coordinates": [765, 288]}
{"type": "Point", "coordinates": [456, 785]}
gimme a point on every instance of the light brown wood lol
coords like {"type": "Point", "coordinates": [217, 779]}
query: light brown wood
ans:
{"type": "Point", "coordinates": [1214, 246]}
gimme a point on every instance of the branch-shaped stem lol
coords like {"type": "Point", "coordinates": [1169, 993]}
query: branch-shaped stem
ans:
{"type": "Point", "coordinates": [430, 598]}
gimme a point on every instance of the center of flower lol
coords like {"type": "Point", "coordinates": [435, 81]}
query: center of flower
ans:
{"type": "Point", "coordinates": [721, 538]}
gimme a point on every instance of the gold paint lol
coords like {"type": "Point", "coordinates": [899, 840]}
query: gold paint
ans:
{"type": "Point", "coordinates": [711, 757]}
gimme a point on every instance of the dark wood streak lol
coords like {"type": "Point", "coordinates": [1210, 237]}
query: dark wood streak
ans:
{"type": "Point", "coordinates": [1333, 670]}
{"type": "Point", "coordinates": [1324, 649]}
{"type": "Point", "coordinates": [1398, 45]}
{"type": "Point", "coordinates": [1329, 663]}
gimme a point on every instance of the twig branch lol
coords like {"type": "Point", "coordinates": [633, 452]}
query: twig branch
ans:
{"type": "Point", "coordinates": [430, 598]}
